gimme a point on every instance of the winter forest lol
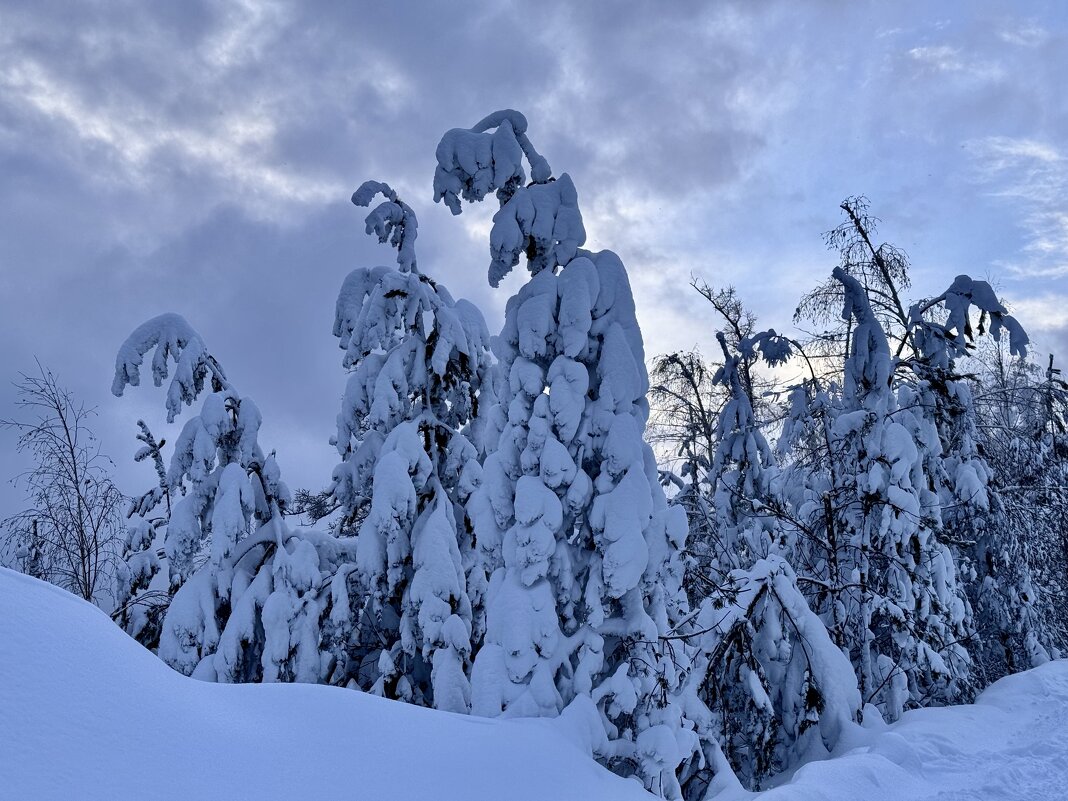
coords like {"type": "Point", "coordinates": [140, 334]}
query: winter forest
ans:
{"type": "Point", "coordinates": [499, 537]}
{"type": "Point", "coordinates": [699, 574]}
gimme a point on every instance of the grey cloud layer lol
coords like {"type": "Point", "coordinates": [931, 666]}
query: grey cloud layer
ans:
{"type": "Point", "coordinates": [197, 157]}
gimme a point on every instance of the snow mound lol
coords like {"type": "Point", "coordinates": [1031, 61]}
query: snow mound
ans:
{"type": "Point", "coordinates": [1010, 745]}
{"type": "Point", "coordinates": [88, 714]}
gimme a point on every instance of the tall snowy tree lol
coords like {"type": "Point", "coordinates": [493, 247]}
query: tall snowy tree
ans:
{"type": "Point", "coordinates": [909, 609]}
{"type": "Point", "coordinates": [997, 577]}
{"type": "Point", "coordinates": [417, 359]}
{"type": "Point", "coordinates": [931, 401]}
{"type": "Point", "coordinates": [906, 611]}
{"type": "Point", "coordinates": [569, 515]}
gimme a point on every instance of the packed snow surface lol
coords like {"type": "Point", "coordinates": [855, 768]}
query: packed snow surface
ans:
{"type": "Point", "coordinates": [86, 713]}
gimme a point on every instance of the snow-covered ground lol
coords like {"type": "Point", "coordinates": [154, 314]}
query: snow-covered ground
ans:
{"type": "Point", "coordinates": [1011, 744]}
{"type": "Point", "coordinates": [86, 713]}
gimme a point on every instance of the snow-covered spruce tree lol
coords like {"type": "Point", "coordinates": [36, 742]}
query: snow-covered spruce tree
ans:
{"type": "Point", "coordinates": [417, 359]}
{"type": "Point", "coordinates": [139, 608]}
{"type": "Point", "coordinates": [569, 510]}
{"type": "Point", "coordinates": [252, 596]}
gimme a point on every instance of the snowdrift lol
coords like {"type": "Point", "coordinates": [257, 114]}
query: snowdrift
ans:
{"type": "Point", "coordinates": [86, 713]}
{"type": "Point", "coordinates": [1011, 745]}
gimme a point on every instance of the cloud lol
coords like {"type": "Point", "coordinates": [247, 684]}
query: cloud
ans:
{"type": "Point", "coordinates": [1033, 176]}
{"type": "Point", "coordinates": [940, 57]}
{"type": "Point", "coordinates": [1026, 34]}
{"type": "Point", "coordinates": [198, 157]}
{"type": "Point", "coordinates": [1043, 312]}
{"type": "Point", "coordinates": [1044, 318]}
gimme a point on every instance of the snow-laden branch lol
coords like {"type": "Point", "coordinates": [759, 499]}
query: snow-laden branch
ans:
{"type": "Point", "coordinates": [174, 340]}
{"type": "Point", "coordinates": [774, 348]}
{"type": "Point", "coordinates": [964, 293]}
{"type": "Point", "coordinates": [868, 367]}
{"type": "Point", "coordinates": [543, 221]}
{"type": "Point", "coordinates": [540, 171]}
{"type": "Point", "coordinates": [392, 220]}
{"type": "Point", "coordinates": [472, 162]}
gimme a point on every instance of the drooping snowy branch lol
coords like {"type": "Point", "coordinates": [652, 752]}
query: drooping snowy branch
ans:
{"type": "Point", "coordinates": [869, 367]}
{"type": "Point", "coordinates": [174, 340]}
{"type": "Point", "coordinates": [541, 221]}
{"type": "Point", "coordinates": [939, 341]}
{"type": "Point", "coordinates": [540, 171]}
{"type": "Point", "coordinates": [392, 220]}
{"type": "Point", "coordinates": [472, 162]}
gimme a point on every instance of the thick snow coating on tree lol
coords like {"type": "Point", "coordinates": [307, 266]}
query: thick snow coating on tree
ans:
{"type": "Point", "coordinates": [417, 359]}
{"type": "Point", "coordinates": [909, 610]}
{"type": "Point", "coordinates": [472, 162]}
{"type": "Point", "coordinates": [574, 531]}
{"type": "Point", "coordinates": [174, 340]}
{"type": "Point", "coordinates": [543, 219]}
{"type": "Point", "coordinates": [252, 599]}
{"type": "Point", "coordinates": [392, 221]}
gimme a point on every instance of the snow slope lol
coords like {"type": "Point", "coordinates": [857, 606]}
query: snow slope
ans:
{"type": "Point", "coordinates": [86, 713]}
{"type": "Point", "coordinates": [1011, 745]}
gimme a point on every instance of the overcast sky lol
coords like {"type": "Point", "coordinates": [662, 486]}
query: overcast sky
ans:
{"type": "Point", "coordinates": [198, 157]}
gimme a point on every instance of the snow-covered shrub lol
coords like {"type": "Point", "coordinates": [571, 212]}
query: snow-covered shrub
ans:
{"type": "Point", "coordinates": [780, 690]}
{"type": "Point", "coordinates": [769, 671]}
{"type": "Point", "coordinates": [251, 597]}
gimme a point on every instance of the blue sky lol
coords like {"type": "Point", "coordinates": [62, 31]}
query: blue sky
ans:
{"type": "Point", "coordinates": [198, 157]}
